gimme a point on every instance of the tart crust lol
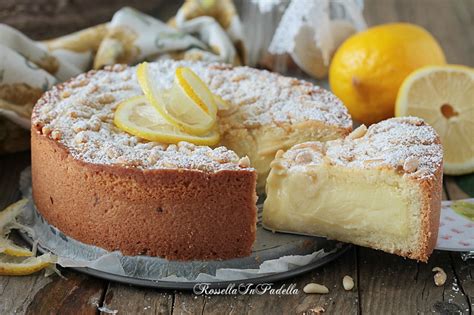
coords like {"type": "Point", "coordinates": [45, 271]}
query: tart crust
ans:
{"type": "Point", "coordinates": [176, 214]}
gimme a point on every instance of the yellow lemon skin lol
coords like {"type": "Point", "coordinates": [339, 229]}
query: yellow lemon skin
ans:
{"type": "Point", "coordinates": [369, 67]}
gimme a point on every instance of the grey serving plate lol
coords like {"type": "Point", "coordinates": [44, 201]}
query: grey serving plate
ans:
{"type": "Point", "coordinates": [302, 253]}
{"type": "Point", "coordinates": [341, 248]}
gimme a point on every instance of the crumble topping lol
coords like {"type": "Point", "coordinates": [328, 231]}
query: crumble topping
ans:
{"type": "Point", "coordinates": [79, 114]}
{"type": "Point", "coordinates": [405, 144]}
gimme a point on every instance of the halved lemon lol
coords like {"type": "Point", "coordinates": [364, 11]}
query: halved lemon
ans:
{"type": "Point", "coordinates": [137, 117]}
{"type": "Point", "coordinates": [174, 106]}
{"type": "Point", "coordinates": [193, 87]}
{"type": "Point", "coordinates": [20, 266]}
{"type": "Point", "coordinates": [444, 97]}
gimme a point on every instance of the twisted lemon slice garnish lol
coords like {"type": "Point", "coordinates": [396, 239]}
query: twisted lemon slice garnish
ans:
{"type": "Point", "coordinates": [138, 117]}
{"type": "Point", "coordinates": [188, 105]}
{"type": "Point", "coordinates": [190, 85]}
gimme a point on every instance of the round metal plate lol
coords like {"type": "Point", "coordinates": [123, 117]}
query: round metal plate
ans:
{"type": "Point", "coordinates": [158, 284]}
{"type": "Point", "coordinates": [302, 253]}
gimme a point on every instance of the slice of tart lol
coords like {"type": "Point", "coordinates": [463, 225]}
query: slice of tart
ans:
{"type": "Point", "coordinates": [379, 187]}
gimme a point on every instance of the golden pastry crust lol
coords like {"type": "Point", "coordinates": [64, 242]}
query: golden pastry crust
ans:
{"type": "Point", "coordinates": [176, 214]}
{"type": "Point", "coordinates": [432, 189]}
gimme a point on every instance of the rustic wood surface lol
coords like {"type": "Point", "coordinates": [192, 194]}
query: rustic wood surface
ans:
{"type": "Point", "coordinates": [385, 284]}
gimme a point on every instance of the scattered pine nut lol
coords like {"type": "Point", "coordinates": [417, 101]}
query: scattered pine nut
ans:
{"type": "Point", "coordinates": [348, 283]}
{"type": "Point", "coordinates": [358, 133]}
{"type": "Point", "coordinates": [318, 310]}
{"type": "Point", "coordinates": [315, 288]}
{"type": "Point", "coordinates": [439, 277]}
{"type": "Point", "coordinates": [411, 165]}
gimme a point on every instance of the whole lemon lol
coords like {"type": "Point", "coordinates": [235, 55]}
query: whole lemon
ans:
{"type": "Point", "coordinates": [369, 67]}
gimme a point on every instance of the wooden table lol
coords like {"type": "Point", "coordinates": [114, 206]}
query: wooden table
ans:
{"type": "Point", "coordinates": [385, 284]}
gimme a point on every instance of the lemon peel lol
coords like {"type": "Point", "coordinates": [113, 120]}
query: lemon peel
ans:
{"type": "Point", "coordinates": [20, 266]}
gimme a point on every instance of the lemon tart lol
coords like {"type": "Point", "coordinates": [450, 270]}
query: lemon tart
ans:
{"type": "Point", "coordinates": [103, 186]}
{"type": "Point", "coordinates": [379, 188]}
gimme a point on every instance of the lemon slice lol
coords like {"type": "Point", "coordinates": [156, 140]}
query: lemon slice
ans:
{"type": "Point", "coordinates": [221, 103]}
{"type": "Point", "coordinates": [7, 247]}
{"type": "Point", "coordinates": [177, 108]}
{"type": "Point", "coordinates": [16, 266]}
{"type": "Point", "coordinates": [8, 221]}
{"type": "Point", "coordinates": [8, 215]}
{"type": "Point", "coordinates": [16, 260]}
{"type": "Point", "coordinates": [444, 97]}
{"type": "Point", "coordinates": [137, 117]}
{"type": "Point", "coordinates": [193, 87]}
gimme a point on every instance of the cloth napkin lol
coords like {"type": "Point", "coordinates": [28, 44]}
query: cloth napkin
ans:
{"type": "Point", "coordinates": [201, 30]}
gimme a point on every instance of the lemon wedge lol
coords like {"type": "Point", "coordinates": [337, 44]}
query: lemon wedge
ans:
{"type": "Point", "coordinates": [20, 266]}
{"type": "Point", "coordinates": [178, 108]}
{"type": "Point", "coordinates": [138, 117]}
{"type": "Point", "coordinates": [444, 97]}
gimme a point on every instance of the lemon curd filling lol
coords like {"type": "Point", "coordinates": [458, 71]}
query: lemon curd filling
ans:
{"type": "Point", "coordinates": [379, 187]}
{"type": "Point", "coordinates": [333, 201]}
{"type": "Point", "coordinates": [261, 144]}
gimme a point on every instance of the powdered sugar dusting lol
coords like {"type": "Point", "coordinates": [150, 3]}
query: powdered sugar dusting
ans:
{"type": "Point", "coordinates": [79, 114]}
{"type": "Point", "coordinates": [259, 97]}
{"type": "Point", "coordinates": [406, 144]}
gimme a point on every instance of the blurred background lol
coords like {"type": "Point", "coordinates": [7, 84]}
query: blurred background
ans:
{"type": "Point", "coordinates": [44, 19]}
